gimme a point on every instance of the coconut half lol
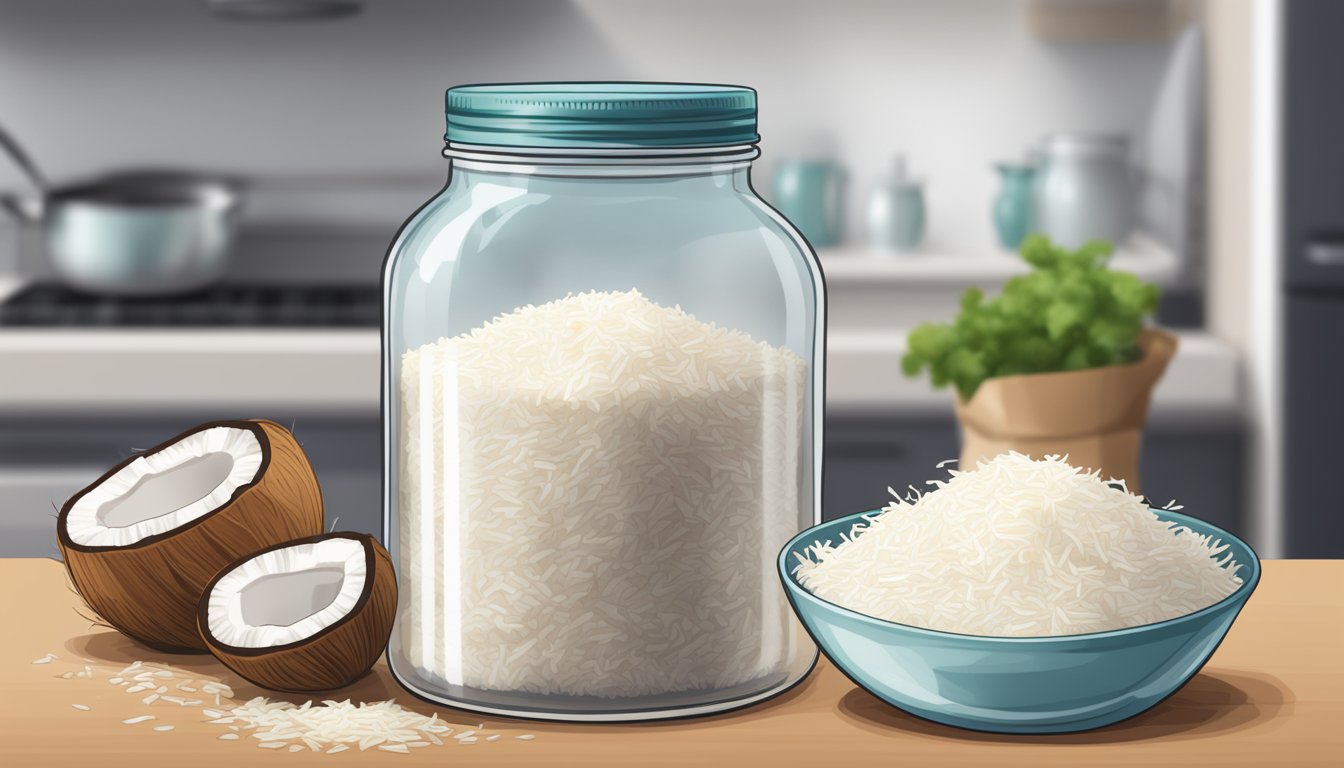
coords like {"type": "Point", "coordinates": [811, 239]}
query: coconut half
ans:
{"type": "Point", "coordinates": [142, 542]}
{"type": "Point", "coordinates": [308, 615]}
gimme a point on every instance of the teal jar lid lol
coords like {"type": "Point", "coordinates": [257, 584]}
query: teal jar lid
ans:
{"type": "Point", "coordinates": [601, 115]}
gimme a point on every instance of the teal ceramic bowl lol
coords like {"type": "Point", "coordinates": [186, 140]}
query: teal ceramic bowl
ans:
{"type": "Point", "coordinates": [1018, 684]}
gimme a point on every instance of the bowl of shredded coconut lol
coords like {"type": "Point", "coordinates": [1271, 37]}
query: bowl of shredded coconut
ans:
{"type": "Point", "coordinates": [1021, 596]}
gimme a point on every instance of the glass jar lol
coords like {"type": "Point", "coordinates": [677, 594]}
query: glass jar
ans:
{"type": "Point", "coordinates": [603, 377]}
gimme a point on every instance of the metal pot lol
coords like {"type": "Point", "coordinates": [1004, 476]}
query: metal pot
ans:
{"type": "Point", "coordinates": [132, 234]}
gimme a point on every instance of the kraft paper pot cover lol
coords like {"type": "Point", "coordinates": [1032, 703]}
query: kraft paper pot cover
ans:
{"type": "Point", "coordinates": [1095, 416]}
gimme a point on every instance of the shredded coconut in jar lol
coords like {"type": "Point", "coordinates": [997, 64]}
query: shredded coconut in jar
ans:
{"type": "Point", "coordinates": [593, 492]}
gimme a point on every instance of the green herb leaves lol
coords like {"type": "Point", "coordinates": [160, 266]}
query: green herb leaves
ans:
{"type": "Point", "coordinates": [1069, 313]}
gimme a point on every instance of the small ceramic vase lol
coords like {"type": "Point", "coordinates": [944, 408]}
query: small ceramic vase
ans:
{"type": "Point", "coordinates": [808, 192]}
{"type": "Point", "coordinates": [896, 212]}
{"type": "Point", "coordinates": [1012, 208]}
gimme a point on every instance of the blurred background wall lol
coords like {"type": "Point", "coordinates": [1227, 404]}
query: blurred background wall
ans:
{"type": "Point", "coordinates": [336, 128]}
{"type": "Point", "coordinates": [953, 84]}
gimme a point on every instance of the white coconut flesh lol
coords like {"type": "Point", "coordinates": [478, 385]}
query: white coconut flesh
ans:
{"type": "Point", "coordinates": [167, 489]}
{"type": "Point", "coordinates": [288, 594]}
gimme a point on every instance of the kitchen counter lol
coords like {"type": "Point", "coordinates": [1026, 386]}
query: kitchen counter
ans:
{"type": "Point", "coordinates": [1201, 384]}
{"type": "Point", "coordinates": [143, 371]}
{"type": "Point", "coordinates": [1273, 694]}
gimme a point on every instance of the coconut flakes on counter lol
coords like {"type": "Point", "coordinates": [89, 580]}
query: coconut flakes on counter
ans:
{"type": "Point", "coordinates": [328, 727]}
{"type": "Point", "coordinates": [336, 726]}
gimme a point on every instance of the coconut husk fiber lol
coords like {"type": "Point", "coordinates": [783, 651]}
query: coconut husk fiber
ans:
{"type": "Point", "coordinates": [1095, 416]}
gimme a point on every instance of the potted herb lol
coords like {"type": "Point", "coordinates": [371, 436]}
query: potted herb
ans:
{"type": "Point", "coordinates": [1060, 363]}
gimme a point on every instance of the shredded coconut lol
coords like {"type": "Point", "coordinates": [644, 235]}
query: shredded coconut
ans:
{"type": "Point", "coordinates": [329, 727]}
{"type": "Point", "coordinates": [324, 726]}
{"type": "Point", "coordinates": [593, 492]}
{"type": "Point", "coordinates": [1020, 548]}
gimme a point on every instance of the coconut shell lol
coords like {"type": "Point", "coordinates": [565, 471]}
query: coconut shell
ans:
{"type": "Point", "coordinates": [149, 590]}
{"type": "Point", "coordinates": [336, 656]}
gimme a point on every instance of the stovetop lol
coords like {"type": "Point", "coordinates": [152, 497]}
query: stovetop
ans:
{"type": "Point", "coordinates": [44, 305]}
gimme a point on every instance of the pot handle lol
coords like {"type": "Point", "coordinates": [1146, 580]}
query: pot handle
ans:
{"type": "Point", "coordinates": [22, 159]}
{"type": "Point", "coordinates": [24, 211]}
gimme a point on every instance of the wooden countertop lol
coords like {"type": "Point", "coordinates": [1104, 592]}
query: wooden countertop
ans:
{"type": "Point", "coordinates": [1273, 695]}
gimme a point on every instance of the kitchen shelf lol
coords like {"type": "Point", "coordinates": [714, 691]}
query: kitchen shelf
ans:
{"type": "Point", "coordinates": [845, 266]}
